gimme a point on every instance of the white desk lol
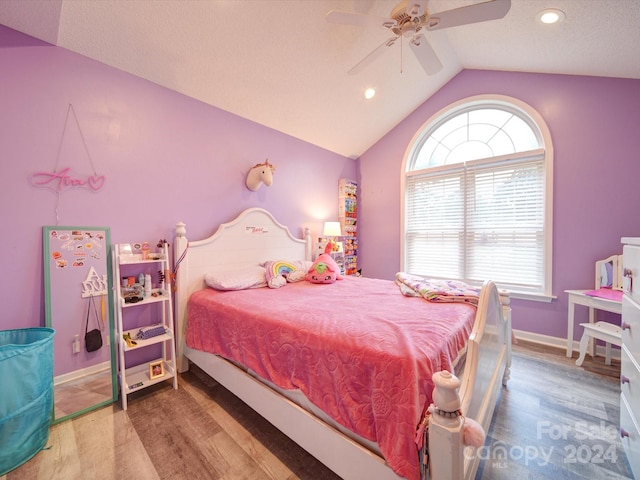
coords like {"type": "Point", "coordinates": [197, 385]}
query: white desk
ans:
{"type": "Point", "coordinates": [578, 297]}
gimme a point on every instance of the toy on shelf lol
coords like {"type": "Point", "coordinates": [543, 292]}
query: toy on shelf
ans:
{"type": "Point", "coordinates": [348, 216]}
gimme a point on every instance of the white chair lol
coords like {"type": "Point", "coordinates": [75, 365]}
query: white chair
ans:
{"type": "Point", "coordinates": [608, 276]}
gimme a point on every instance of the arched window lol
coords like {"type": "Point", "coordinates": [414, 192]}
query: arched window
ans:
{"type": "Point", "coordinates": [477, 187]}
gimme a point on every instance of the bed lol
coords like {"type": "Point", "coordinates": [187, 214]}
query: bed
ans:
{"type": "Point", "coordinates": [348, 382]}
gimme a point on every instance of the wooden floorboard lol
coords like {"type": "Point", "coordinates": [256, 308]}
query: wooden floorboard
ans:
{"type": "Point", "coordinates": [554, 421]}
{"type": "Point", "coordinates": [78, 394]}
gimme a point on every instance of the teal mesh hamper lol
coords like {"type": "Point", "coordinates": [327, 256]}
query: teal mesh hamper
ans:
{"type": "Point", "coordinates": [26, 394]}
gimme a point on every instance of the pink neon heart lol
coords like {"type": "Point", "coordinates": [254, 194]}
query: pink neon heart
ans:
{"type": "Point", "coordinates": [96, 182]}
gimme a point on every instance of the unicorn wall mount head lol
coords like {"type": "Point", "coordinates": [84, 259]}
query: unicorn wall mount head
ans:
{"type": "Point", "coordinates": [259, 174]}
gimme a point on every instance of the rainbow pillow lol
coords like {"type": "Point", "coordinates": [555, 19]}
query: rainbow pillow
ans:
{"type": "Point", "coordinates": [279, 272]}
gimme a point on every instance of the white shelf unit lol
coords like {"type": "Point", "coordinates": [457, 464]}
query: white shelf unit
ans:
{"type": "Point", "coordinates": [348, 217]}
{"type": "Point", "coordinates": [159, 300]}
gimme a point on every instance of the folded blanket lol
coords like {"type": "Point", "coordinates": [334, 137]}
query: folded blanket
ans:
{"type": "Point", "coordinates": [435, 290]}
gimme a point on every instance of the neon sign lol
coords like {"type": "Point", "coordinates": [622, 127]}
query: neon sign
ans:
{"type": "Point", "coordinates": [62, 180]}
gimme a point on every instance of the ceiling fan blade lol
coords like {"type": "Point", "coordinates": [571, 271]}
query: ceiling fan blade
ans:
{"type": "Point", "coordinates": [416, 8]}
{"type": "Point", "coordinates": [425, 54]}
{"type": "Point", "coordinates": [479, 12]}
{"type": "Point", "coordinates": [359, 19]}
{"type": "Point", "coordinates": [369, 59]}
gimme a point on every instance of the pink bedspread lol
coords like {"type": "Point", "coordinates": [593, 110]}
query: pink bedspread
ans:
{"type": "Point", "coordinates": [358, 349]}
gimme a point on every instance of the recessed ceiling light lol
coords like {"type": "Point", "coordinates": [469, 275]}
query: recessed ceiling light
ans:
{"type": "Point", "coordinates": [369, 93]}
{"type": "Point", "coordinates": [550, 15]}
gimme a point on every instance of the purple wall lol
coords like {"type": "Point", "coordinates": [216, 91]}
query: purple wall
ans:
{"type": "Point", "coordinates": [594, 128]}
{"type": "Point", "coordinates": [166, 158]}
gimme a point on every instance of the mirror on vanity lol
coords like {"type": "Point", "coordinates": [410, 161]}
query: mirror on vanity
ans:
{"type": "Point", "coordinates": [79, 297]}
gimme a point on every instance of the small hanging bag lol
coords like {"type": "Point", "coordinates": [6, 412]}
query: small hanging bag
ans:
{"type": "Point", "coordinates": [93, 338]}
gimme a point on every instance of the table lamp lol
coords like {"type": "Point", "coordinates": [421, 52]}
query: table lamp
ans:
{"type": "Point", "coordinates": [330, 232]}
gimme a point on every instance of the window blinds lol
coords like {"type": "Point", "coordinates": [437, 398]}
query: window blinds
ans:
{"type": "Point", "coordinates": [479, 220]}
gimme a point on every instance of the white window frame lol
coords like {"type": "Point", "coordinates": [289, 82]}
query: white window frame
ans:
{"type": "Point", "coordinates": [539, 126]}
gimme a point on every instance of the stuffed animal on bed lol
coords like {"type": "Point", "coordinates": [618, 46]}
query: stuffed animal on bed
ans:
{"type": "Point", "coordinates": [324, 269]}
{"type": "Point", "coordinates": [281, 272]}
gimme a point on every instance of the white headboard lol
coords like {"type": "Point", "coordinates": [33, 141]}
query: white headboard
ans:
{"type": "Point", "coordinates": [251, 238]}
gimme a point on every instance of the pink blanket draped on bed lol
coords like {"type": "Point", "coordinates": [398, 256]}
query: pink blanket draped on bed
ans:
{"type": "Point", "coordinates": [358, 349]}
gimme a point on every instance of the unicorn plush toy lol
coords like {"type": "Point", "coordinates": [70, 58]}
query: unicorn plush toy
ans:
{"type": "Point", "coordinates": [262, 173]}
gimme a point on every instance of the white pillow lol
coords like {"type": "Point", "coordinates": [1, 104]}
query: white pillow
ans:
{"type": "Point", "coordinates": [240, 279]}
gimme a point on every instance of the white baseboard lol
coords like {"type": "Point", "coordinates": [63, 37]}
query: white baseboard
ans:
{"type": "Point", "coordinates": [561, 343]}
{"type": "Point", "coordinates": [83, 372]}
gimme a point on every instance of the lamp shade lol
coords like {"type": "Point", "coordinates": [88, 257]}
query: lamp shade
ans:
{"type": "Point", "coordinates": [332, 229]}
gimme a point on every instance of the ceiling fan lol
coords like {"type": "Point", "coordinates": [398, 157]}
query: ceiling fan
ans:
{"type": "Point", "coordinates": [410, 18]}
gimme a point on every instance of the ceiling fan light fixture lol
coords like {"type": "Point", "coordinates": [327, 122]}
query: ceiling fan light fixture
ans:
{"type": "Point", "coordinates": [549, 16]}
{"type": "Point", "coordinates": [413, 10]}
{"type": "Point", "coordinates": [411, 19]}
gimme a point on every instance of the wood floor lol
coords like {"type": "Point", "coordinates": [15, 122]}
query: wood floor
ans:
{"type": "Point", "coordinates": [76, 395]}
{"type": "Point", "coordinates": [555, 421]}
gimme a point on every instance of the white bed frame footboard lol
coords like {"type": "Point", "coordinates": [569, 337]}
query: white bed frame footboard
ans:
{"type": "Point", "coordinates": [254, 237]}
{"type": "Point", "coordinates": [486, 370]}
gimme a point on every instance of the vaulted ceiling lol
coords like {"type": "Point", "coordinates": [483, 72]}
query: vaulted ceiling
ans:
{"type": "Point", "coordinates": [281, 64]}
